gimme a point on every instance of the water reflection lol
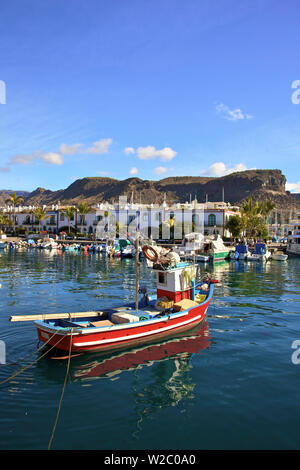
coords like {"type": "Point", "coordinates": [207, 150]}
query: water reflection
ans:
{"type": "Point", "coordinates": [160, 373]}
{"type": "Point", "coordinates": [180, 345]}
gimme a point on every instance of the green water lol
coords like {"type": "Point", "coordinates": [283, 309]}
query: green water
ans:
{"type": "Point", "coordinates": [228, 384]}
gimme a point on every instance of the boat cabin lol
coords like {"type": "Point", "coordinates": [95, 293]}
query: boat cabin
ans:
{"type": "Point", "coordinates": [260, 249]}
{"type": "Point", "coordinates": [176, 283]}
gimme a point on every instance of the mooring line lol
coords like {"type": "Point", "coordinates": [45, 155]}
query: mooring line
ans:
{"type": "Point", "coordinates": [30, 354]}
{"type": "Point", "coordinates": [31, 364]}
{"type": "Point", "coordinates": [62, 393]}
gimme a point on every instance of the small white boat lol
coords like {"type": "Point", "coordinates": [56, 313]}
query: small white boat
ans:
{"type": "Point", "coordinates": [49, 243]}
{"type": "Point", "coordinates": [279, 256]}
{"type": "Point", "coordinates": [241, 253]}
{"type": "Point", "coordinates": [261, 253]}
{"type": "Point", "coordinates": [202, 258]}
{"type": "Point", "coordinates": [128, 251]}
{"type": "Point", "coordinates": [192, 246]}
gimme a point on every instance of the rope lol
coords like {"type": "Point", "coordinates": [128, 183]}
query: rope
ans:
{"type": "Point", "coordinates": [30, 354]}
{"type": "Point", "coordinates": [62, 393]}
{"type": "Point", "coordinates": [31, 364]}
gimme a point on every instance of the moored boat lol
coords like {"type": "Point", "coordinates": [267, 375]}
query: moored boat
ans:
{"type": "Point", "coordinates": [280, 256]}
{"type": "Point", "coordinates": [49, 244]}
{"type": "Point", "coordinates": [261, 252]}
{"type": "Point", "coordinates": [191, 247]}
{"type": "Point", "coordinates": [179, 304]}
{"type": "Point", "coordinates": [214, 248]}
{"type": "Point", "coordinates": [126, 248]}
{"type": "Point", "coordinates": [241, 252]}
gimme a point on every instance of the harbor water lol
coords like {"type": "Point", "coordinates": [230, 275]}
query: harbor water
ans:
{"type": "Point", "coordinates": [231, 383]}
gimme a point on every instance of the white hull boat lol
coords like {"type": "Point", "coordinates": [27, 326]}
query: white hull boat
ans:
{"type": "Point", "coordinates": [279, 256]}
{"type": "Point", "coordinates": [261, 253]}
{"type": "Point", "coordinates": [241, 253]}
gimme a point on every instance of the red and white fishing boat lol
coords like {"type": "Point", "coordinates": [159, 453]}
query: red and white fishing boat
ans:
{"type": "Point", "coordinates": [179, 304]}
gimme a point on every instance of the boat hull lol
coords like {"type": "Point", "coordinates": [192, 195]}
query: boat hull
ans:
{"type": "Point", "coordinates": [279, 257]}
{"type": "Point", "coordinates": [260, 257]}
{"type": "Point", "coordinates": [218, 256]}
{"type": "Point", "coordinates": [121, 336]}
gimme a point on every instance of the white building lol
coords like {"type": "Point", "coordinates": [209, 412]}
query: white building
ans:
{"type": "Point", "coordinates": [157, 221]}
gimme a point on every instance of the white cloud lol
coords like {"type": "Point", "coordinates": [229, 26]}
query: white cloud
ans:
{"type": "Point", "coordinates": [133, 170]}
{"type": "Point", "coordinates": [69, 149]}
{"type": "Point", "coordinates": [100, 146]}
{"type": "Point", "coordinates": [129, 150]}
{"type": "Point", "coordinates": [22, 159]}
{"type": "Point", "coordinates": [160, 170]}
{"type": "Point", "coordinates": [150, 152]}
{"type": "Point", "coordinates": [221, 169]}
{"type": "Point", "coordinates": [293, 187]}
{"type": "Point", "coordinates": [231, 114]}
{"type": "Point", "coordinates": [56, 158]}
{"type": "Point", "coordinates": [29, 159]}
{"type": "Point", "coordinates": [52, 158]}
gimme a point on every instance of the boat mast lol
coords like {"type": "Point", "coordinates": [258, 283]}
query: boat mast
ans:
{"type": "Point", "coordinates": [137, 261]}
{"type": "Point", "coordinates": [137, 272]}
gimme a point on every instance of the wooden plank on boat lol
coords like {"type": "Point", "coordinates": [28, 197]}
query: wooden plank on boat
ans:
{"type": "Point", "coordinates": [54, 316]}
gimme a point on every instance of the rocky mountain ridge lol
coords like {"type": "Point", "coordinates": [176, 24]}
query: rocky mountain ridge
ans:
{"type": "Point", "coordinates": [235, 187]}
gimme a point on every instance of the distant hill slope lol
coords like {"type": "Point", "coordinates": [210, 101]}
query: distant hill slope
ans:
{"type": "Point", "coordinates": [259, 184]}
{"type": "Point", "coordinates": [4, 195]}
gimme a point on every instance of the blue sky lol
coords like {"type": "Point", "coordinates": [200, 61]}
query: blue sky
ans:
{"type": "Point", "coordinates": [125, 88]}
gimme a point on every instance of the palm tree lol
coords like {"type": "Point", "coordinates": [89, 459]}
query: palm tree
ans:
{"type": "Point", "coordinates": [69, 213]}
{"type": "Point", "coordinates": [254, 216]}
{"type": "Point", "coordinates": [83, 209]}
{"type": "Point", "coordinates": [266, 209]}
{"type": "Point", "coordinates": [40, 214]}
{"type": "Point", "coordinates": [4, 221]}
{"type": "Point", "coordinates": [14, 200]}
{"type": "Point", "coordinates": [250, 208]}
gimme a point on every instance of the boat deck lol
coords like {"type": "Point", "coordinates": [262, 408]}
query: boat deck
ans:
{"type": "Point", "coordinates": [122, 315]}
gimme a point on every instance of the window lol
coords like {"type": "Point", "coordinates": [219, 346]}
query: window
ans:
{"type": "Point", "coordinates": [211, 220]}
{"type": "Point", "coordinates": [162, 278]}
